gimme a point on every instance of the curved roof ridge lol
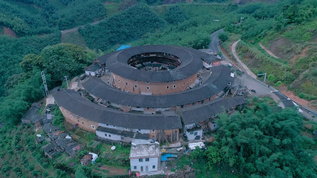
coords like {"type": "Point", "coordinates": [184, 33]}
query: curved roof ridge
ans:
{"type": "Point", "coordinates": [76, 104]}
{"type": "Point", "coordinates": [102, 90]}
{"type": "Point", "coordinates": [191, 64]}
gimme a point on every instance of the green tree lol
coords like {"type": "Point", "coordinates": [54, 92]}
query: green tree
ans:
{"type": "Point", "coordinates": [175, 15]}
{"type": "Point", "coordinates": [288, 77]}
{"type": "Point", "coordinates": [58, 118]}
{"type": "Point", "coordinates": [30, 62]}
{"type": "Point", "coordinates": [261, 142]}
{"type": "Point", "coordinates": [80, 173]}
{"type": "Point", "coordinates": [271, 78]}
{"type": "Point", "coordinates": [64, 60]}
{"type": "Point", "coordinates": [223, 36]}
{"type": "Point", "coordinates": [126, 26]}
{"type": "Point", "coordinates": [213, 156]}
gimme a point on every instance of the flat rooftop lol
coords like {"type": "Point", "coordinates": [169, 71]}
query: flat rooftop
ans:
{"type": "Point", "coordinates": [144, 151]}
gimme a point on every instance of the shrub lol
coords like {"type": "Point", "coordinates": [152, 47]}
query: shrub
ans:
{"type": "Point", "coordinates": [255, 99]}
{"type": "Point", "coordinates": [271, 78]}
{"type": "Point", "coordinates": [278, 83]}
{"type": "Point", "coordinates": [35, 173]}
{"type": "Point", "coordinates": [31, 168]}
{"type": "Point", "coordinates": [223, 37]}
{"type": "Point", "coordinates": [5, 168]}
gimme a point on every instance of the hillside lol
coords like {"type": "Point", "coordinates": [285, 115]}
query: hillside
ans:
{"type": "Point", "coordinates": [278, 37]}
{"type": "Point", "coordinates": [281, 44]}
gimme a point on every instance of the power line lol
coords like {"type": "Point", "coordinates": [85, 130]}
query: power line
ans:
{"type": "Point", "coordinates": [44, 83]}
{"type": "Point", "coordinates": [66, 78]}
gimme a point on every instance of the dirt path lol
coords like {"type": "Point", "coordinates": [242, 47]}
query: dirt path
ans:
{"type": "Point", "coordinates": [267, 51]}
{"type": "Point", "coordinates": [49, 100]}
{"type": "Point", "coordinates": [74, 84]}
{"type": "Point", "coordinates": [234, 52]}
{"type": "Point", "coordinates": [76, 28]}
{"type": "Point", "coordinates": [114, 170]}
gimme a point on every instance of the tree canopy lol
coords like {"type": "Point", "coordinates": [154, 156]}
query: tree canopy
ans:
{"type": "Point", "coordinates": [23, 89]}
{"type": "Point", "coordinates": [124, 27]}
{"type": "Point", "coordinates": [263, 141]}
{"type": "Point", "coordinates": [175, 15]}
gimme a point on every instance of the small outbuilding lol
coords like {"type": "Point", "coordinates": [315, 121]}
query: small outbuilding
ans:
{"type": "Point", "coordinates": [193, 146]}
{"type": "Point", "coordinates": [86, 160]}
{"type": "Point", "coordinates": [32, 116]}
{"type": "Point", "coordinates": [93, 69]}
{"type": "Point", "coordinates": [51, 150]}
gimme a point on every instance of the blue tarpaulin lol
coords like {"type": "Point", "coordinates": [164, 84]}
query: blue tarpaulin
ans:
{"type": "Point", "coordinates": [164, 157]}
{"type": "Point", "coordinates": [123, 47]}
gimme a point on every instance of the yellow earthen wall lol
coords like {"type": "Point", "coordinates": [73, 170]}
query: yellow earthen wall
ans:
{"type": "Point", "coordinates": [155, 88]}
{"type": "Point", "coordinates": [82, 122]}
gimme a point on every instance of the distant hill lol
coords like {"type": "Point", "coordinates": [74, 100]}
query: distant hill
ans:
{"type": "Point", "coordinates": [241, 2]}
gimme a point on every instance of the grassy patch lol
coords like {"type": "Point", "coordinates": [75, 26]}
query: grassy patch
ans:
{"type": "Point", "coordinates": [258, 62]}
{"type": "Point", "coordinates": [40, 111]}
{"type": "Point", "coordinates": [112, 9]}
{"type": "Point", "coordinates": [118, 157]}
{"type": "Point", "coordinates": [74, 38]}
{"type": "Point", "coordinates": [301, 33]}
{"type": "Point", "coordinates": [21, 155]}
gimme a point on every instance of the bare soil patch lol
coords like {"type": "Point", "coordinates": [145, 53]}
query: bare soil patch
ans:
{"type": "Point", "coordinates": [233, 50]}
{"type": "Point", "coordinates": [307, 134]}
{"type": "Point", "coordinates": [302, 54]}
{"type": "Point", "coordinates": [278, 48]}
{"type": "Point", "coordinates": [295, 98]}
{"type": "Point", "coordinates": [114, 170]}
{"type": "Point", "coordinates": [308, 126]}
{"type": "Point", "coordinates": [267, 51]}
{"type": "Point", "coordinates": [9, 32]}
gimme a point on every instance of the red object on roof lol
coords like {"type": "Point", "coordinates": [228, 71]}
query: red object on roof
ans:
{"type": "Point", "coordinates": [77, 148]}
{"type": "Point", "coordinates": [59, 133]}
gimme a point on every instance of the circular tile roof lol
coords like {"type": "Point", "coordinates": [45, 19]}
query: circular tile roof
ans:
{"type": "Point", "coordinates": [117, 63]}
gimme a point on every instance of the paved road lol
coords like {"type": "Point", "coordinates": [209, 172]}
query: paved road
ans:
{"type": "Point", "coordinates": [261, 88]}
{"type": "Point", "coordinates": [214, 44]}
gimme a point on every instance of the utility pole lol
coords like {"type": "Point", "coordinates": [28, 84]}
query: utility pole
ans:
{"type": "Point", "coordinates": [66, 78]}
{"type": "Point", "coordinates": [44, 83]}
{"type": "Point", "coordinates": [264, 76]}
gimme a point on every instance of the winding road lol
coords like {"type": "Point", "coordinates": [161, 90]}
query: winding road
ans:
{"type": "Point", "coordinates": [249, 80]}
{"type": "Point", "coordinates": [234, 52]}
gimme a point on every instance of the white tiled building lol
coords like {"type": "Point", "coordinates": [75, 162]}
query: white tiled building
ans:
{"type": "Point", "coordinates": [145, 156]}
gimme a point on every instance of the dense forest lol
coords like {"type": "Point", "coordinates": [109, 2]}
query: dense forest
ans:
{"type": "Point", "coordinates": [261, 140]}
